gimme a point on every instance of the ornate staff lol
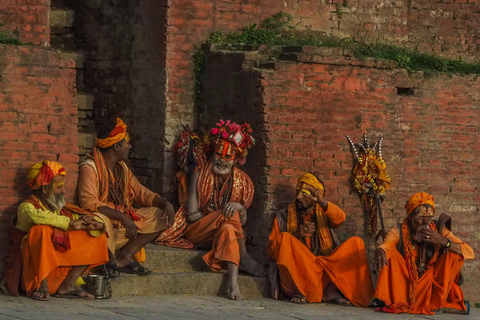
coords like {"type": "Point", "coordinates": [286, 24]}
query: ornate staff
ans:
{"type": "Point", "coordinates": [371, 180]}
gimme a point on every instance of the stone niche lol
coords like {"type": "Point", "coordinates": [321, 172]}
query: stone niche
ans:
{"type": "Point", "coordinates": [302, 101]}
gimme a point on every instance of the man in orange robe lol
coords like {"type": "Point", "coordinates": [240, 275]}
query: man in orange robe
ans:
{"type": "Point", "coordinates": [311, 265]}
{"type": "Point", "coordinates": [219, 195]}
{"type": "Point", "coordinates": [108, 188]}
{"type": "Point", "coordinates": [63, 241]}
{"type": "Point", "coordinates": [420, 263]}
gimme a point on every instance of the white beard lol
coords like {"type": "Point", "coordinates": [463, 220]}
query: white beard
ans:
{"type": "Point", "coordinates": [56, 203]}
{"type": "Point", "coordinates": [222, 168]}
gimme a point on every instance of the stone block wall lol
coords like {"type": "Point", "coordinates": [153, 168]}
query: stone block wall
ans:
{"type": "Point", "coordinates": [302, 107]}
{"type": "Point", "coordinates": [38, 121]}
{"type": "Point", "coordinates": [27, 19]}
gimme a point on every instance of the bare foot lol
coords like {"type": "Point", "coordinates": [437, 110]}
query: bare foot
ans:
{"type": "Point", "coordinates": [65, 291]}
{"type": "Point", "coordinates": [234, 293]}
{"type": "Point", "coordinates": [299, 298]}
{"type": "Point", "coordinates": [251, 266]}
{"type": "Point", "coordinates": [42, 293]}
{"type": "Point", "coordinates": [332, 294]}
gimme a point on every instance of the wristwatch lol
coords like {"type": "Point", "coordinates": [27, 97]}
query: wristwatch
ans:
{"type": "Point", "coordinates": [449, 243]}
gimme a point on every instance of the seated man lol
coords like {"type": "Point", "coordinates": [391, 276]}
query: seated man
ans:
{"type": "Point", "coordinates": [219, 195]}
{"type": "Point", "coordinates": [420, 262]}
{"type": "Point", "coordinates": [310, 266]}
{"type": "Point", "coordinates": [59, 246]}
{"type": "Point", "coordinates": [107, 187]}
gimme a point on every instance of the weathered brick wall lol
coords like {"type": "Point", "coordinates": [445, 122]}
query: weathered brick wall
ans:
{"type": "Point", "coordinates": [124, 70]}
{"type": "Point", "coordinates": [38, 119]}
{"type": "Point", "coordinates": [27, 19]}
{"type": "Point", "coordinates": [431, 137]}
{"type": "Point", "coordinates": [448, 28]}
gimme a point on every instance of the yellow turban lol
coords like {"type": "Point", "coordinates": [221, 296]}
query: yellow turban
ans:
{"type": "Point", "coordinates": [41, 174]}
{"type": "Point", "coordinates": [118, 134]}
{"type": "Point", "coordinates": [419, 199]}
{"type": "Point", "coordinates": [311, 180]}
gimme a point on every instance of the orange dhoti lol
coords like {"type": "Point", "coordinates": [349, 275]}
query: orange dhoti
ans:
{"type": "Point", "coordinates": [222, 233]}
{"type": "Point", "coordinates": [436, 288]}
{"type": "Point", "coordinates": [347, 267]}
{"type": "Point", "coordinates": [42, 261]}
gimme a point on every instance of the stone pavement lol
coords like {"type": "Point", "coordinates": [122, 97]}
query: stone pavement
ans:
{"type": "Point", "coordinates": [191, 307]}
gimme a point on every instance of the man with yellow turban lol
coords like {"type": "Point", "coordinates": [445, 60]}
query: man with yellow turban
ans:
{"type": "Point", "coordinates": [108, 188]}
{"type": "Point", "coordinates": [310, 264]}
{"type": "Point", "coordinates": [58, 242]}
{"type": "Point", "coordinates": [420, 262]}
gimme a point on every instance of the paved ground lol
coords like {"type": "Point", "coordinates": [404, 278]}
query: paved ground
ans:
{"type": "Point", "coordinates": [190, 307]}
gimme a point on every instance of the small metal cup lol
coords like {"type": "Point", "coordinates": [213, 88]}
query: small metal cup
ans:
{"type": "Point", "coordinates": [96, 285]}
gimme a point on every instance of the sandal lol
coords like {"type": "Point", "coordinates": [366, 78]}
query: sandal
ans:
{"type": "Point", "coordinates": [45, 294]}
{"type": "Point", "coordinates": [135, 268]}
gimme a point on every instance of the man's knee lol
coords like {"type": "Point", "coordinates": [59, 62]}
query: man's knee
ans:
{"type": "Point", "coordinates": [41, 229]}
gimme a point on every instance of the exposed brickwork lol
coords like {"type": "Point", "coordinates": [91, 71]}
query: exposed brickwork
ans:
{"type": "Point", "coordinates": [307, 107]}
{"type": "Point", "coordinates": [38, 118]}
{"type": "Point", "coordinates": [27, 19]}
{"type": "Point", "coordinates": [124, 70]}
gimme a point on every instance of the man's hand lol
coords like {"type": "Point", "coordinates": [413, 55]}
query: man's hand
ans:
{"type": "Point", "coordinates": [92, 223]}
{"type": "Point", "coordinates": [433, 237]}
{"type": "Point", "coordinates": [231, 208]}
{"type": "Point", "coordinates": [170, 213]}
{"type": "Point", "coordinates": [131, 228]}
{"type": "Point", "coordinates": [319, 198]}
{"type": "Point", "coordinates": [78, 224]}
{"type": "Point", "coordinates": [307, 229]}
{"type": "Point", "coordinates": [379, 259]}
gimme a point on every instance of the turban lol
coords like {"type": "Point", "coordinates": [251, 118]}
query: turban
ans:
{"type": "Point", "coordinates": [41, 174]}
{"type": "Point", "coordinates": [239, 136]}
{"type": "Point", "coordinates": [418, 199]}
{"type": "Point", "coordinates": [118, 134]}
{"type": "Point", "coordinates": [311, 180]}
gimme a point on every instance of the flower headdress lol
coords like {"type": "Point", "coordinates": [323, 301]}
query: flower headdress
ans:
{"type": "Point", "coordinates": [238, 135]}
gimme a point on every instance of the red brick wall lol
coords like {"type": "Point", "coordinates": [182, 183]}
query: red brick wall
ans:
{"type": "Point", "coordinates": [28, 19]}
{"type": "Point", "coordinates": [38, 117]}
{"type": "Point", "coordinates": [306, 108]}
{"type": "Point", "coordinates": [446, 28]}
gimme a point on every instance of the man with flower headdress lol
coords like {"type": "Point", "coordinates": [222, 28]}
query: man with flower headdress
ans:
{"type": "Point", "coordinates": [310, 264]}
{"type": "Point", "coordinates": [219, 195]}
{"type": "Point", "coordinates": [107, 187]}
{"type": "Point", "coordinates": [420, 263]}
{"type": "Point", "coordinates": [58, 242]}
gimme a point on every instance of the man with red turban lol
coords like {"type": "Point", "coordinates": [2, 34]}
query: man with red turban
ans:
{"type": "Point", "coordinates": [312, 265]}
{"type": "Point", "coordinates": [219, 195]}
{"type": "Point", "coordinates": [108, 188]}
{"type": "Point", "coordinates": [420, 263]}
{"type": "Point", "coordinates": [59, 237]}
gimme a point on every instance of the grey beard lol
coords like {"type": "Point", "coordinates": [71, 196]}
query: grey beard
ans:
{"type": "Point", "coordinates": [56, 203]}
{"type": "Point", "coordinates": [221, 170]}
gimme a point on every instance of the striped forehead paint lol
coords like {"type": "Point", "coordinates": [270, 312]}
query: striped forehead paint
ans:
{"type": "Point", "coordinates": [225, 150]}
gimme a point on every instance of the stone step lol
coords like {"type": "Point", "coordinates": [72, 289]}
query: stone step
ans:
{"type": "Point", "coordinates": [173, 260]}
{"type": "Point", "coordinates": [61, 18]}
{"type": "Point", "coordinates": [191, 283]}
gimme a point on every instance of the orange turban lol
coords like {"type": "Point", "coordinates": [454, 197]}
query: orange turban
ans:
{"type": "Point", "coordinates": [41, 174]}
{"type": "Point", "coordinates": [118, 134]}
{"type": "Point", "coordinates": [311, 180]}
{"type": "Point", "coordinates": [419, 199]}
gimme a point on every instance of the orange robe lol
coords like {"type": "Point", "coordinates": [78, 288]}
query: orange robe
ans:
{"type": "Point", "coordinates": [41, 260]}
{"type": "Point", "coordinates": [347, 266]}
{"type": "Point", "coordinates": [214, 228]}
{"type": "Point", "coordinates": [91, 196]}
{"type": "Point", "coordinates": [436, 288]}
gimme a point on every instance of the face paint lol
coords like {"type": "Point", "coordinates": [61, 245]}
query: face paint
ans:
{"type": "Point", "coordinates": [225, 151]}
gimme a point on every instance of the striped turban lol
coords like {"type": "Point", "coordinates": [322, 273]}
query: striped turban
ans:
{"type": "Point", "coordinates": [118, 134]}
{"type": "Point", "coordinates": [418, 199]}
{"type": "Point", "coordinates": [41, 174]}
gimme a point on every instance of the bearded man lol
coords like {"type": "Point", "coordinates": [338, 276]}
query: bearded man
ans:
{"type": "Point", "coordinates": [108, 188]}
{"type": "Point", "coordinates": [219, 195]}
{"type": "Point", "coordinates": [420, 263]}
{"type": "Point", "coordinates": [62, 241]}
{"type": "Point", "coordinates": [311, 265]}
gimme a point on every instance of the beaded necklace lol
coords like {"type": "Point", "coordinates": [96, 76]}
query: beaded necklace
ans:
{"type": "Point", "coordinates": [221, 191]}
